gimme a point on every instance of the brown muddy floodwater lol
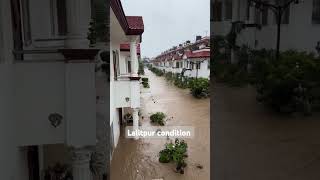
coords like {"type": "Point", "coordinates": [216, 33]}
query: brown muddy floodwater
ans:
{"type": "Point", "coordinates": [138, 159]}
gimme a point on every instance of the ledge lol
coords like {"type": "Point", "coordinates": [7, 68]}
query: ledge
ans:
{"type": "Point", "coordinates": [79, 54]}
{"type": "Point", "coordinates": [134, 78]}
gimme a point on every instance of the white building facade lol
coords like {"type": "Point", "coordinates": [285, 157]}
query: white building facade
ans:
{"type": "Point", "coordinates": [55, 85]}
{"type": "Point", "coordinates": [300, 24]}
{"type": "Point", "coordinates": [126, 35]}
{"type": "Point", "coordinates": [193, 59]}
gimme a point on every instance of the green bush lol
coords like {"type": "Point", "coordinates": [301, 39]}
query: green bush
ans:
{"type": "Point", "coordinates": [290, 84]}
{"type": "Point", "coordinates": [175, 152]}
{"type": "Point", "coordinates": [158, 72]}
{"type": "Point", "coordinates": [158, 118]}
{"type": "Point", "coordinates": [199, 87]}
{"type": "Point", "coordinates": [145, 84]}
{"type": "Point", "coordinates": [169, 76]}
{"type": "Point", "coordinates": [233, 74]}
{"type": "Point", "coordinates": [141, 68]}
{"type": "Point", "coordinates": [144, 79]}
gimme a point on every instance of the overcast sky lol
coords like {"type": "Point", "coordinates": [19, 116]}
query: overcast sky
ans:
{"type": "Point", "coordinates": [168, 23]}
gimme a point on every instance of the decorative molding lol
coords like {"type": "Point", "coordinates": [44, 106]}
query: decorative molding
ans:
{"type": "Point", "coordinates": [55, 119]}
{"type": "Point", "coordinates": [133, 78]}
{"type": "Point", "coordinates": [79, 54]}
{"type": "Point", "coordinates": [81, 156]}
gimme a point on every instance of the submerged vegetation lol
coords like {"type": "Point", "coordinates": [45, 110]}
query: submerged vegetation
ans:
{"type": "Point", "coordinates": [175, 152]}
{"type": "Point", "coordinates": [145, 82]}
{"type": "Point", "coordinates": [158, 72]}
{"type": "Point", "coordinates": [158, 118]}
{"type": "Point", "coordinates": [288, 84]}
{"type": "Point", "coordinates": [199, 87]}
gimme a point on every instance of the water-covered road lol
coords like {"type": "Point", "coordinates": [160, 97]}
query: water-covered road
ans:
{"type": "Point", "coordinates": [138, 159]}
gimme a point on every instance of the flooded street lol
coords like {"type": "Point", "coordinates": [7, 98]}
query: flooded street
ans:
{"type": "Point", "coordinates": [138, 159]}
{"type": "Point", "coordinates": [253, 142]}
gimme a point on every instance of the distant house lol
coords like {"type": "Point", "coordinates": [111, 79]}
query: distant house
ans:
{"type": "Point", "coordinates": [191, 58]}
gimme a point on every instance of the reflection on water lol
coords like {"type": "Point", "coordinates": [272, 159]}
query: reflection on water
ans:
{"type": "Point", "coordinates": [138, 159]}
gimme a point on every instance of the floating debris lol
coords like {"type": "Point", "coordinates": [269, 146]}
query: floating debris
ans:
{"type": "Point", "coordinates": [199, 166]}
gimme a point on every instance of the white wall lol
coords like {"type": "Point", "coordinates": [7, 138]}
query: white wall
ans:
{"type": "Point", "coordinates": [122, 90]}
{"type": "Point", "coordinates": [40, 19]}
{"type": "Point", "coordinates": [6, 40]}
{"type": "Point", "coordinates": [39, 91]}
{"type": "Point", "coordinates": [299, 34]}
{"type": "Point", "coordinates": [80, 104]}
{"type": "Point", "coordinates": [8, 151]}
{"type": "Point", "coordinates": [45, 88]}
{"type": "Point", "coordinates": [114, 119]}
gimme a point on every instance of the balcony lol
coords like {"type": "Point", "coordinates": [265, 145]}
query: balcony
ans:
{"type": "Point", "coordinates": [126, 92]}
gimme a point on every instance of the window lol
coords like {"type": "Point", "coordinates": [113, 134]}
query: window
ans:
{"type": "Point", "coordinates": [16, 27]}
{"type": "Point", "coordinates": [217, 10]}
{"type": "Point", "coordinates": [208, 64]}
{"type": "Point", "coordinates": [116, 64]}
{"type": "Point", "coordinates": [316, 12]}
{"type": "Point", "coordinates": [61, 17]}
{"type": "Point", "coordinates": [198, 65]}
{"type": "Point", "coordinates": [129, 66]}
{"type": "Point", "coordinates": [26, 23]}
{"type": "Point", "coordinates": [286, 14]}
{"type": "Point", "coordinates": [248, 10]}
{"type": "Point", "coordinates": [228, 10]}
{"type": "Point", "coordinates": [177, 64]}
{"type": "Point", "coordinates": [265, 13]}
{"type": "Point", "coordinates": [257, 16]}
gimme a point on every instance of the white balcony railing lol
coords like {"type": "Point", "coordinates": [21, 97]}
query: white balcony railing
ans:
{"type": "Point", "coordinates": [126, 92]}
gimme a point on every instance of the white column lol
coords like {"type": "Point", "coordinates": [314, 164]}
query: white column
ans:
{"type": "Point", "coordinates": [78, 19]}
{"type": "Point", "coordinates": [80, 164]}
{"type": "Point", "coordinates": [134, 58]}
{"type": "Point", "coordinates": [135, 115]}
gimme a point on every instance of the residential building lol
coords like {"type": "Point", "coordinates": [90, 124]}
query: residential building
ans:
{"type": "Point", "coordinates": [54, 90]}
{"type": "Point", "coordinates": [300, 24]}
{"type": "Point", "coordinates": [125, 38]}
{"type": "Point", "coordinates": [193, 59]}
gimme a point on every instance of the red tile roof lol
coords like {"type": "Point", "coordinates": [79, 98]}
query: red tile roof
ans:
{"type": "Point", "coordinates": [177, 57]}
{"type": "Point", "coordinates": [131, 25]}
{"type": "Point", "coordinates": [201, 54]}
{"type": "Point", "coordinates": [135, 22]}
{"type": "Point", "coordinates": [126, 47]}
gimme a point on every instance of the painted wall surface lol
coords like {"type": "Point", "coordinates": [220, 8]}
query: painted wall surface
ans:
{"type": "Point", "coordinates": [41, 19]}
{"type": "Point", "coordinates": [114, 119]}
{"type": "Point", "coordinates": [8, 151]}
{"type": "Point", "coordinates": [135, 94]}
{"type": "Point", "coordinates": [6, 41]}
{"type": "Point", "coordinates": [123, 90]}
{"type": "Point", "coordinates": [80, 104]}
{"type": "Point", "coordinates": [66, 89]}
{"type": "Point", "coordinates": [34, 103]}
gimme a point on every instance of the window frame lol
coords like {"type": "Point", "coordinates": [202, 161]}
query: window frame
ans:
{"type": "Point", "coordinates": [315, 17]}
